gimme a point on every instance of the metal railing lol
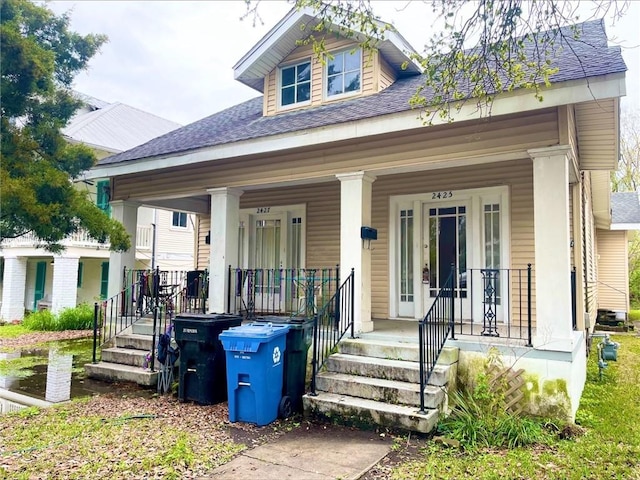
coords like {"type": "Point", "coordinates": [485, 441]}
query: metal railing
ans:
{"type": "Point", "coordinates": [148, 296]}
{"type": "Point", "coordinates": [331, 323]}
{"type": "Point", "coordinates": [282, 291]}
{"type": "Point", "coordinates": [493, 302]}
{"type": "Point", "coordinates": [433, 331]}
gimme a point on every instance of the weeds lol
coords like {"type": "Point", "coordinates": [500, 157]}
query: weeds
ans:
{"type": "Point", "coordinates": [76, 318]}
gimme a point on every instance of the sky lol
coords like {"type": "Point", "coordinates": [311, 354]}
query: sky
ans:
{"type": "Point", "coordinates": [175, 58]}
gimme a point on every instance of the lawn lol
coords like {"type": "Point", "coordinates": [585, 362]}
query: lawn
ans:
{"type": "Point", "coordinates": [609, 448]}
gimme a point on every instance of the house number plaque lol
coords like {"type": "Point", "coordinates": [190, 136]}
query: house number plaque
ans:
{"type": "Point", "coordinates": [263, 209]}
{"type": "Point", "coordinates": [441, 195]}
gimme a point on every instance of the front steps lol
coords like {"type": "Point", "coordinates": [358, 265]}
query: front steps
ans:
{"type": "Point", "coordinates": [126, 360]}
{"type": "Point", "coordinates": [377, 382]}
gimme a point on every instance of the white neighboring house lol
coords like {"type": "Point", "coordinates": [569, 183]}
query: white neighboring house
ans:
{"type": "Point", "coordinates": [33, 277]}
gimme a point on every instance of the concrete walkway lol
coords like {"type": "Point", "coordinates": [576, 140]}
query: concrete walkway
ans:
{"type": "Point", "coordinates": [315, 454]}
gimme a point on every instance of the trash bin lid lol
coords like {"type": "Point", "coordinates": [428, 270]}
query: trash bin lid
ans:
{"type": "Point", "coordinates": [248, 338]}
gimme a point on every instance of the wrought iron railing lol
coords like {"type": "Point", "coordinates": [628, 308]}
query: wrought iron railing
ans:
{"type": "Point", "coordinates": [331, 323]}
{"type": "Point", "coordinates": [283, 291]}
{"type": "Point", "coordinates": [494, 302]}
{"type": "Point", "coordinates": [433, 331]}
{"type": "Point", "coordinates": [148, 296]}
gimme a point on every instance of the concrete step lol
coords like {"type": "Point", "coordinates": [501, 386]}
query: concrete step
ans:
{"type": "Point", "coordinates": [143, 327]}
{"type": "Point", "coordinates": [135, 341]}
{"type": "Point", "coordinates": [114, 372]}
{"type": "Point", "coordinates": [379, 389]}
{"type": "Point", "coordinates": [125, 356]}
{"type": "Point", "coordinates": [392, 350]}
{"type": "Point", "coordinates": [364, 412]}
{"type": "Point", "coordinates": [401, 370]}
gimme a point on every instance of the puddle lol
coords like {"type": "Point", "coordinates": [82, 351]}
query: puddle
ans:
{"type": "Point", "coordinates": [54, 373]}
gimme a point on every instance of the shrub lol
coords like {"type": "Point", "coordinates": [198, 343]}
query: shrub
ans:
{"type": "Point", "coordinates": [43, 320]}
{"type": "Point", "coordinates": [76, 318]}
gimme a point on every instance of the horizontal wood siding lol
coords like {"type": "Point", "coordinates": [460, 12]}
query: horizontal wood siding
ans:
{"type": "Point", "coordinates": [322, 214]}
{"type": "Point", "coordinates": [386, 74]}
{"type": "Point", "coordinates": [613, 278]}
{"type": "Point", "coordinates": [594, 121]}
{"type": "Point", "coordinates": [203, 250]}
{"type": "Point", "coordinates": [422, 146]}
{"type": "Point", "coordinates": [518, 175]}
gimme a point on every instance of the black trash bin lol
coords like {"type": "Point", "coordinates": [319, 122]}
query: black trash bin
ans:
{"type": "Point", "coordinates": [203, 368]}
{"type": "Point", "coordinates": [299, 338]}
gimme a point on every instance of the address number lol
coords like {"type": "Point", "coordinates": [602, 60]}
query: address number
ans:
{"type": "Point", "coordinates": [263, 209]}
{"type": "Point", "coordinates": [441, 195]}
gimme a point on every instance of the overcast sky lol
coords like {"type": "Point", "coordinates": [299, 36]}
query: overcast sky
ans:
{"type": "Point", "coordinates": [175, 58]}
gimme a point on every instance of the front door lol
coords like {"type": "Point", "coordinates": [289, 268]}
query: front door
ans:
{"type": "Point", "coordinates": [41, 275]}
{"type": "Point", "coordinates": [268, 249]}
{"type": "Point", "coordinates": [445, 253]}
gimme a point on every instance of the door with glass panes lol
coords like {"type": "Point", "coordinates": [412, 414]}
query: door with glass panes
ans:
{"type": "Point", "coordinates": [446, 253]}
{"type": "Point", "coordinates": [267, 254]}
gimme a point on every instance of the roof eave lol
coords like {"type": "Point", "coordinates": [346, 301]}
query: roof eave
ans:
{"type": "Point", "coordinates": [523, 100]}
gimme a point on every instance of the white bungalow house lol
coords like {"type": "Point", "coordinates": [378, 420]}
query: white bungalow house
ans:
{"type": "Point", "coordinates": [32, 277]}
{"type": "Point", "coordinates": [289, 179]}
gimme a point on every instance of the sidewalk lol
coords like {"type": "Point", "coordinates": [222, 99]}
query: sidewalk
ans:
{"type": "Point", "coordinates": [316, 454]}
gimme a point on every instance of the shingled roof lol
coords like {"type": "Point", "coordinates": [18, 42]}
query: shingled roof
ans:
{"type": "Point", "coordinates": [625, 208]}
{"type": "Point", "coordinates": [588, 56]}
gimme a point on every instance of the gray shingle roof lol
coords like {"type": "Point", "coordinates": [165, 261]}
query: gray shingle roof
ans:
{"type": "Point", "coordinates": [589, 56]}
{"type": "Point", "coordinates": [625, 208]}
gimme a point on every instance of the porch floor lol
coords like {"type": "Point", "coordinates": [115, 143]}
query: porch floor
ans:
{"type": "Point", "coordinates": [407, 331]}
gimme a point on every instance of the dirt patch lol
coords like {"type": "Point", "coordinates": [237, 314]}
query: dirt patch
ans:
{"type": "Point", "coordinates": [38, 338]}
{"type": "Point", "coordinates": [404, 449]}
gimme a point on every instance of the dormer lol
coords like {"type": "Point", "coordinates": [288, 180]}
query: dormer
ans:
{"type": "Point", "coordinates": [291, 76]}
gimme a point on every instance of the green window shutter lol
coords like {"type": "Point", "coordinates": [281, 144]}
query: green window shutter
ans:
{"type": "Point", "coordinates": [80, 272]}
{"type": "Point", "coordinates": [102, 198]}
{"type": "Point", "coordinates": [104, 280]}
{"type": "Point", "coordinates": [41, 275]}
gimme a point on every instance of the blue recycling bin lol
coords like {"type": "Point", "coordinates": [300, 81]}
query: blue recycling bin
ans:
{"type": "Point", "coordinates": [255, 368]}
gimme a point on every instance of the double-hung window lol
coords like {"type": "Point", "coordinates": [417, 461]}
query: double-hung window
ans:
{"type": "Point", "coordinates": [344, 72]}
{"type": "Point", "coordinates": [295, 84]}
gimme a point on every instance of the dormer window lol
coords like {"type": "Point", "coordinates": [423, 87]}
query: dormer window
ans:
{"type": "Point", "coordinates": [344, 72]}
{"type": "Point", "coordinates": [295, 84]}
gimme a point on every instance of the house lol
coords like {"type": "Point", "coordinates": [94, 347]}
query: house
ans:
{"type": "Point", "coordinates": [613, 254]}
{"type": "Point", "coordinates": [331, 166]}
{"type": "Point", "coordinates": [33, 277]}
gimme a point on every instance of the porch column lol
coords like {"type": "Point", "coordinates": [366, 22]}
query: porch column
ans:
{"type": "Point", "coordinates": [552, 239]}
{"type": "Point", "coordinates": [65, 283]}
{"type": "Point", "coordinates": [127, 214]}
{"type": "Point", "coordinates": [355, 212]}
{"type": "Point", "coordinates": [14, 283]}
{"type": "Point", "coordinates": [225, 221]}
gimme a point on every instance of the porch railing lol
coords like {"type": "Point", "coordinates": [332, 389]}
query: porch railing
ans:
{"type": "Point", "coordinates": [433, 331]}
{"type": "Point", "coordinates": [331, 323]}
{"type": "Point", "coordinates": [150, 295]}
{"type": "Point", "coordinates": [493, 302]}
{"type": "Point", "coordinates": [283, 291]}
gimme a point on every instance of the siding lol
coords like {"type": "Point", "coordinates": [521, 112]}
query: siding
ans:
{"type": "Point", "coordinates": [202, 248]}
{"type": "Point", "coordinates": [589, 252]}
{"type": "Point", "coordinates": [304, 52]}
{"type": "Point", "coordinates": [518, 175]}
{"type": "Point", "coordinates": [613, 273]}
{"type": "Point", "coordinates": [425, 147]}
{"type": "Point", "coordinates": [174, 246]}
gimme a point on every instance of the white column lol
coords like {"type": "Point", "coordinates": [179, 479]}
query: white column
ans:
{"type": "Point", "coordinates": [13, 288]}
{"type": "Point", "coordinates": [552, 269]}
{"type": "Point", "coordinates": [225, 221]}
{"type": "Point", "coordinates": [355, 212]}
{"type": "Point", "coordinates": [65, 283]}
{"type": "Point", "coordinates": [127, 214]}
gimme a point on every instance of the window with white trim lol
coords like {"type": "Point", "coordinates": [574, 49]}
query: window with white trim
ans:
{"type": "Point", "coordinates": [344, 72]}
{"type": "Point", "coordinates": [295, 84]}
{"type": "Point", "coordinates": [179, 220]}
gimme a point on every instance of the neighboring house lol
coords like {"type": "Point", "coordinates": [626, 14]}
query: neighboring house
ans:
{"type": "Point", "coordinates": [33, 277]}
{"type": "Point", "coordinates": [288, 179]}
{"type": "Point", "coordinates": [613, 253]}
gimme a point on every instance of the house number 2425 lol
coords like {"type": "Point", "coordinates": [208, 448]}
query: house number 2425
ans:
{"type": "Point", "coordinates": [440, 195]}
{"type": "Point", "coordinates": [263, 209]}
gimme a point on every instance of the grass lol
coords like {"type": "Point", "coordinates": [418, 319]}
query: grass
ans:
{"type": "Point", "coordinates": [634, 315]}
{"type": "Point", "coordinates": [610, 448]}
{"type": "Point", "coordinates": [76, 318]}
{"type": "Point", "coordinates": [13, 331]}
